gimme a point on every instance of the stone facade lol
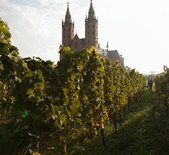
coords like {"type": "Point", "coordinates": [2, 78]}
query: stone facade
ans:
{"type": "Point", "coordinates": [91, 36]}
{"type": "Point", "coordinates": [112, 55]}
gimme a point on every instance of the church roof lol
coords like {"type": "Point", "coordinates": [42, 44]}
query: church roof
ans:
{"type": "Point", "coordinates": [76, 37]}
{"type": "Point", "coordinates": [76, 40]}
{"type": "Point", "coordinates": [113, 54]}
{"type": "Point", "coordinates": [83, 41]}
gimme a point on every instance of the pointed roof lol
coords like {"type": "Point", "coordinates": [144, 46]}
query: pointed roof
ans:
{"type": "Point", "coordinates": [68, 15]}
{"type": "Point", "coordinates": [107, 46]}
{"type": "Point", "coordinates": [76, 36]}
{"type": "Point", "coordinates": [113, 54]}
{"type": "Point", "coordinates": [91, 11]}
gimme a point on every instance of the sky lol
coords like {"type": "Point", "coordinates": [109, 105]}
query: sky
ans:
{"type": "Point", "coordinates": [138, 29]}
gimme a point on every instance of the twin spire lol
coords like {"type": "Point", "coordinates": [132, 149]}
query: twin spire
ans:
{"type": "Point", "coordinates": [90, 15]}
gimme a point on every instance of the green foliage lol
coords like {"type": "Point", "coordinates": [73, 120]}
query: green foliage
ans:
{"type": "Point", "coordinates": [50, 109]}
{"type": "Point", "coordinates": [144, 132]}
{"type": "Point", "coordinates": [162, 87]}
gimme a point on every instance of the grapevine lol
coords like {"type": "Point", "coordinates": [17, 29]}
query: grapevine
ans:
{"type": "Point", "coordinates": [53, 109]}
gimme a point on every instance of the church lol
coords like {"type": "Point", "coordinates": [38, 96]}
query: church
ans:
{"type": "Point", "coordinates": [91, 36]}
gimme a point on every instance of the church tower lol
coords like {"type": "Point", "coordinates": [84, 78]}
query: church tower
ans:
{"type": "Point", "coordinates": [91, 28]}
{"type": "Point", "coordinates": [67, 29]}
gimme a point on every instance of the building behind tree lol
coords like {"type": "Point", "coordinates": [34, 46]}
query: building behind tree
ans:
{"type": "Point", "coordinates": [91, 36]}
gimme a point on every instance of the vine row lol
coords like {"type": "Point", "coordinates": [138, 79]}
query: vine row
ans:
{"type": "Point", "coordinates": [53, 109]}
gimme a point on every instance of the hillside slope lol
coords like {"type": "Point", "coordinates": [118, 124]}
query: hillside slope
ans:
{"type": "Point", "coordinates": [144, 132]}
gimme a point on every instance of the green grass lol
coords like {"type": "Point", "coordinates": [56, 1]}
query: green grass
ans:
{"type": "Point", "coordinates": [144, 132]}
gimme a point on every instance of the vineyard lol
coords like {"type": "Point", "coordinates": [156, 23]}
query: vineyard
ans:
{"type": "Point", "coordinates": [55, 109]}
{"type": "Point", "coordinates": [162, 88]}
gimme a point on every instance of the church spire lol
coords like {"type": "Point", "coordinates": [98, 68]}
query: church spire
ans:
{"type": "Point", "coordinates": [68, 16]}
{"type": "Point", "coordinates": [67, 28]}
{"type": "Point", "coordinates": [91, 11]}
{"type": "Point", "coordinates": [107, 46]}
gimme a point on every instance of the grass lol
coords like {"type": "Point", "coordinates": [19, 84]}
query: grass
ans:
{"type": "Point", "coordinates": [144, 132]}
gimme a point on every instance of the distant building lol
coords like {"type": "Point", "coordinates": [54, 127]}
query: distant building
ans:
{"type": "Point", "coordinates": [91, 36]}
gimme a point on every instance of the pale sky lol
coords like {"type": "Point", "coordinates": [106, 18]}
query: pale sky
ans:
{"type": "Point", "coordinates": [138, 29]}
